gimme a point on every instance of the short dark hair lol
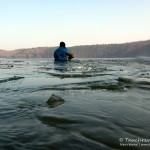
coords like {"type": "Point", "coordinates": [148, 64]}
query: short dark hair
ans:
{"type": "Point", "coordinates": [62, 44]}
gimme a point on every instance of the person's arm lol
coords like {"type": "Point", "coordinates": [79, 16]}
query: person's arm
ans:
{"type": "Point", "coordinates": [70, 55]}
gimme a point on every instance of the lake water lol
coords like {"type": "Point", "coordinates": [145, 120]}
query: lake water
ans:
{"type": "Point", "coordinates": [107, 104]}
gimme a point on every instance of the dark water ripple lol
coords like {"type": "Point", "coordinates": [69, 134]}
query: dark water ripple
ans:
{"type": "Point", "coordinates": [105, 100]}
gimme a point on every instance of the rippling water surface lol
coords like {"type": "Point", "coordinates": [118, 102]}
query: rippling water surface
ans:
{"type": "Point", "coordinates": [105, 100]}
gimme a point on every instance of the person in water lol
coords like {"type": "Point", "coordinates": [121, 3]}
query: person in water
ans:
{"type": "Point", "coordinates": [62, 53]}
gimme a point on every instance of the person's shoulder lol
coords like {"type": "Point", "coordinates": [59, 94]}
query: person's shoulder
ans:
{"type": "Point", "coordinates": [66, 49]}
{"type": "Point", "coordinates": [57, 49]}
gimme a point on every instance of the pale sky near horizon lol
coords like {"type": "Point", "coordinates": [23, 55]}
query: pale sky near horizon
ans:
{"type": "Point", "coordinates": [40, 23]}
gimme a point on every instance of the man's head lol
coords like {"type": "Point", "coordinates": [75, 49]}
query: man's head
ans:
{"type": "Point", "coordinates": [62, 44]}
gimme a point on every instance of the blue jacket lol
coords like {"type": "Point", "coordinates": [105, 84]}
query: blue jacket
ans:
{"type": "Point", "coordinates": [61, 54]}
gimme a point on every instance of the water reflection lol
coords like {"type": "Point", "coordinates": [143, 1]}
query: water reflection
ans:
{"type": "Point", "coordinates": [60, 66]}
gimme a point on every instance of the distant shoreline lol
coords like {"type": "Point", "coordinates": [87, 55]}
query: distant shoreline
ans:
{"type": "Point", "coordinates": [124, 50]}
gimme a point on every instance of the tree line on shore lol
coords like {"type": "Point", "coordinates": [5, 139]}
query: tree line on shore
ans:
{"type": "Point", "coordinates": [124, 50]}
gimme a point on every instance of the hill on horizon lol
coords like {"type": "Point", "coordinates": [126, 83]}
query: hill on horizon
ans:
{"type": "Point", "coordinates": [124, 50]}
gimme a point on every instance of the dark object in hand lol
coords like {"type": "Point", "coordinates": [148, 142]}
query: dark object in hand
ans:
{"type": "Point", "coordinates": [70, 56]}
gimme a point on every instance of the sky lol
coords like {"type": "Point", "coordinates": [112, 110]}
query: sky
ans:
{"type": "Point", "coordinates": [40, 23]}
